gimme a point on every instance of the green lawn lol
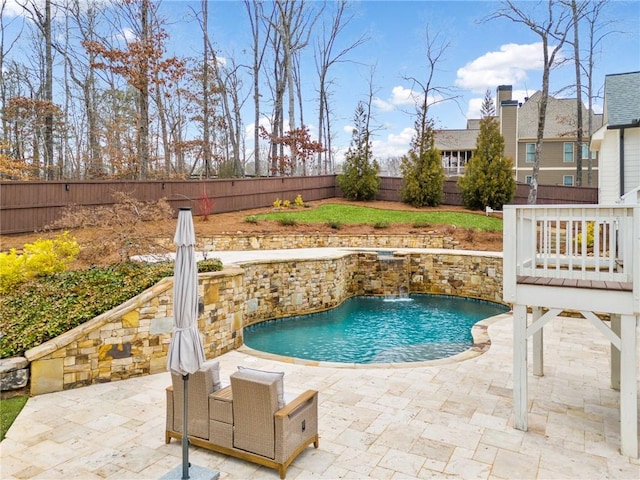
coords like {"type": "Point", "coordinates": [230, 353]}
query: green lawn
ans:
{"type": "Point", "coordinates": [353, 214]}
{"type": "Point", "coordinates": [9, 410]}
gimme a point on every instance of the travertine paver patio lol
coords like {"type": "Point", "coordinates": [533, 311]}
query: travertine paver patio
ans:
{"type": "Point", "coordinates": [446, 420]}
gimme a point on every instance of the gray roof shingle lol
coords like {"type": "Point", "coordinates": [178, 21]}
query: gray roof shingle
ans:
{"type": "Point", "coordinates": [456, 139]}
{"type": "Point", "coordinates": [560, 118]}
{"type": "Point", "coordinates": [622, 98]}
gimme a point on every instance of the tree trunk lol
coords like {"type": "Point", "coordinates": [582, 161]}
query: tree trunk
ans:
{"type": "Point", "coordinates": [143, 96]}
{"type": "Point", "coordinates": [206, 143]}
{"type": "Point", "coordinates": [255, 29]}
{"type": "Point", "coordinates": [328, 154]}
{"type": "Point", "coordinates": [542, 113]}
{"type": "Point", "coordinates": [576, 53]}
{"type": "Point", "coordinates": [162, 118]}
{"type": "Point", "coordinates": [321, 126]}
{"type": "Point", "coordinates": [48, 95]}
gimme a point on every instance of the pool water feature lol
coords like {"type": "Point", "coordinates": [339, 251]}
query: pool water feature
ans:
{"type": "Point", "coordinates": [373, 329]}
{"type": "Point", "coordinates": [392, 276]}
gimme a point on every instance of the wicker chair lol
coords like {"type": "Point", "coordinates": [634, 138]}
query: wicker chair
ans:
{"type": "Point", "coordinates": [248, 419]}
{"type": "Point", "coordinates": [201, 384]}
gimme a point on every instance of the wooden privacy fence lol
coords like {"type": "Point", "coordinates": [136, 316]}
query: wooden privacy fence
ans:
{"type": "Point", "coordinates": [30, 206]}
{"type": "Point", "coordinates": [547, 194]}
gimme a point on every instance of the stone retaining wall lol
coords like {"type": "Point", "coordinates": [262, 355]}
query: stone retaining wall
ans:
{"type": "Point", "coordinates": [269, 241]}
{"type": "Point", "coordinates": [133, 339]}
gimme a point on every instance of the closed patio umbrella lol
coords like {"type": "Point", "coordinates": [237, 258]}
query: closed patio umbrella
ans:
{"type": "Point", "coordinates": [186, 354]}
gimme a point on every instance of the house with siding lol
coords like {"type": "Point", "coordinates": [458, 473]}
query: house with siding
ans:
{"type": "Point", "coordinates": [518, 125]}
{"type": "Point", "coordinates": [618, 140]}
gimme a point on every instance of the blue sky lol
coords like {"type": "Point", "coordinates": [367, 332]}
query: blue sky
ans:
{"type": "Point", "coordinates": [479, 56]}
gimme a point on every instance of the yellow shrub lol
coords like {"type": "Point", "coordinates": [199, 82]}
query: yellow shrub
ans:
{"type": "Point", "coordinates": [590, 235]}
{"type": "Point", "coordinates": [286, 204]}
{"type": "Point", "coordinates": [12, 268]}
{"type": "Point", "coordinates": [40, 258]}
{"type": "Point", "coordinates": [277, 203]}
{"type": "Point", "coordinates": [298, 201]}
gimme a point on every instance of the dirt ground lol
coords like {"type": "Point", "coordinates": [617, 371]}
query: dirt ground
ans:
{"type": "Point", "coordinates": [234, 223]}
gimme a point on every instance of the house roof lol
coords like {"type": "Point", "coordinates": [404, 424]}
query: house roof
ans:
{"type": "Point", "coordinates": [560, 118]}
{"type": "Point", "coordinates": [456, 139]}
{"type": "Point", "coordinates": [621, 92]}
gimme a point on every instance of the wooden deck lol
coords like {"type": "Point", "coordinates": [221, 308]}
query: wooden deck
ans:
{"type": "Point", "coordinates": [585, 259]}
{"type": "Point", "coordinates": [577, 283]}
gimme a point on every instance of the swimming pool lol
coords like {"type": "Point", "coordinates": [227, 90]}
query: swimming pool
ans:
{"type": "Point", "coordinates": [376, 330]}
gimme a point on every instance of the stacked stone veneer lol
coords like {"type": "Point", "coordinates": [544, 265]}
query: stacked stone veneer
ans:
{"type": "Point", "coordinates": [133, 339]}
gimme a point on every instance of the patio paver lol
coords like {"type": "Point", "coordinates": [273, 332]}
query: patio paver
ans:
{"type": "Point", "coordinates": [446, 420]}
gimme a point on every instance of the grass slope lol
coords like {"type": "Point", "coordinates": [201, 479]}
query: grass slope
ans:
{"type": "Point", "coordinates": [353, 214]}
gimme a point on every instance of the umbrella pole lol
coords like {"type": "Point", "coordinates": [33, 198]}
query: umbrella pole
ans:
{"type": "Point", "coordinates": [185, 431]}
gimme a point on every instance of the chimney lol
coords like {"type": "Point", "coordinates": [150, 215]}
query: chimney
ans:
{"type": "Point", "coordinates": [503, 93]}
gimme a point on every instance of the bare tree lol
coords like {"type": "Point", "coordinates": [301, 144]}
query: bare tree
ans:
{"type": "Point", "coordinates": [142, 85]}
{"type": "Point", "coordinates": [42, 21]}
{"type": "Point", "coordinates": [553, 28]}
{"type": "Point", "coordinates": [83, 74]}
{"type": "Point", "coordinates": [4, 51]}
{"type": "Point", "coordinates": [230, 86]}
{"type": "Point", "coordinates": [575, 15]}
{"type": "Point", "coordinates": [276, 80]}
{"type": "Point", "coordinates": [293, 23]}
{"type": "Point", "coordinates": [206, 147]}
{"type": "Point", "coordinates": [325, 57]}
{"type": "Point", "coordinates": [142, 64]}
{"type": "Point", "coordinates": [598, 31]}
{"type": "Point", "coordinates": [430, 93]}
{"type": "Point", "coordinates": [255, 12]}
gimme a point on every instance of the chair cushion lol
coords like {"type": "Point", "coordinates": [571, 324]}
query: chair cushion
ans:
{"type": "Point", "coordinates": [266, 376]}
{"type": "Point", "coordinates": [212, 369]}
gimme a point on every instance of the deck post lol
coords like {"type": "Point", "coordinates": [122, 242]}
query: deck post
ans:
{"type": "Point", "coordinates": [520, 380]}
{"type": "Point", "coordinates": [629, 386]}
{"type": "Point", "coordinates": [615, 353]}
{"type": "Point", "coordinates": [538, 344]}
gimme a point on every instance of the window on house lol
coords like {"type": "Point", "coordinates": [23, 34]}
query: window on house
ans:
{"type": "Point", "coordinates": [531, 153]}
{"type": "Point", "coordinates": [567, 180]}
{"type": "Point", "coordinates": [568, 152]}
{"type": "Point", "coordinates": [528, 179]}
{"type": "Point", "coordinates": [585, 151]}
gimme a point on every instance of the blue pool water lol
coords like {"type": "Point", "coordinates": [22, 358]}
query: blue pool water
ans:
{"type": "Point", "coordinates": [376, 330]}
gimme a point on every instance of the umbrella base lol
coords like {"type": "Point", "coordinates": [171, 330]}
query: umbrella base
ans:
{"type": "Point", "coordinates": [195, 473]}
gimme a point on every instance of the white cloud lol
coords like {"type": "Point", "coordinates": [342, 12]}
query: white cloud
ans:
{"type": "Point", "coordinates": [475, 104]}
{"type": "Point", "coordinates": [264, 122]}
{"type": "Point", "coordinates": [404, 96]}
{"type": "Point", "coordinates": [383, 105]}
{"type": "Point", "coordinates": [127, 35]}
{"type": "Point", "coordinates": [12, 9]}
{"type": "Point", "coordinates": [400, 96]}
{"type": "Point", "coordinates": [508, 66]}
{"type": "Point", "coordinates": [394, 145]}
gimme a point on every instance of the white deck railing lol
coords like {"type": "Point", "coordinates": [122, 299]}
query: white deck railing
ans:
{"type": "Point", "coordinates": [594, 242]}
